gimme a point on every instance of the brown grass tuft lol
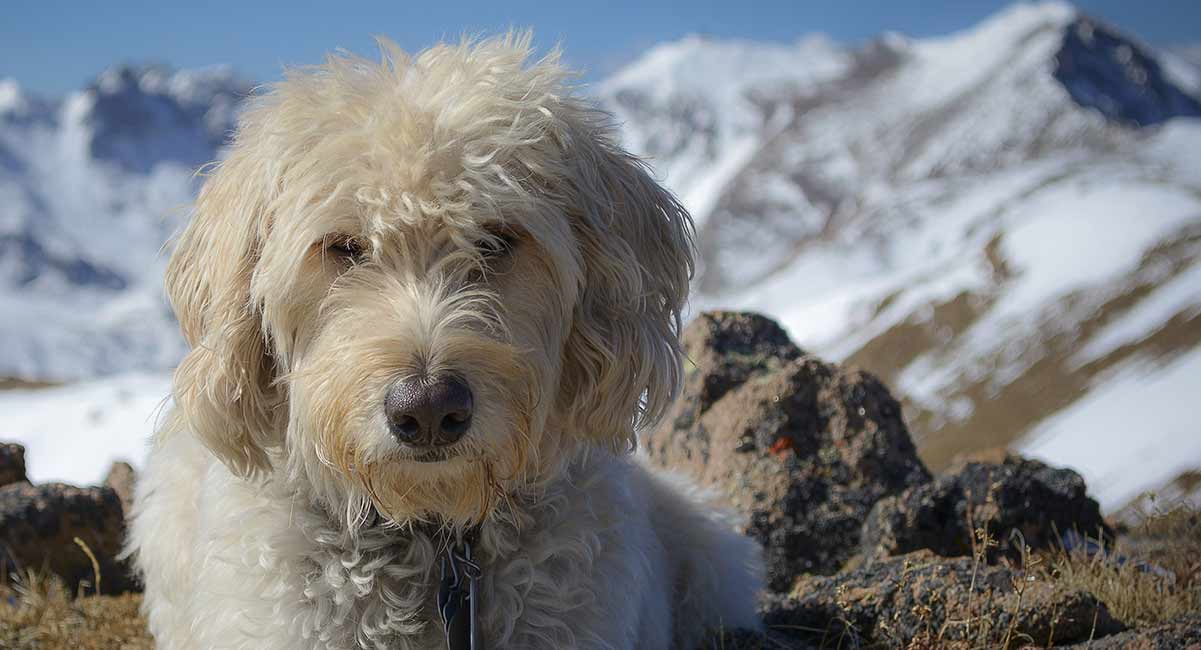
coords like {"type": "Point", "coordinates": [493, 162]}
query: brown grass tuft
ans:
{"type": "Point", "coordinates": [39, 613]}
{"type": "Point", "coordinates": [1160, 579]}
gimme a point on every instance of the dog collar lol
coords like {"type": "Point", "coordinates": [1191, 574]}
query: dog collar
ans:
{"type": "Point", "coordinates": [458, 596]}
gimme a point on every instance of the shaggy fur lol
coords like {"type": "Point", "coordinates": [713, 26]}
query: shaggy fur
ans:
{"type": "Point", "coordinates": [459, 211]}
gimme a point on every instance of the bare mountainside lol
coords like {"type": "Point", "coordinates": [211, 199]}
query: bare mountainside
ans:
{"type": "Point", "coordinates": [1004, 224]}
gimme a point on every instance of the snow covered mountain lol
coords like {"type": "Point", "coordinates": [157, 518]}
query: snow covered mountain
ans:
{"type": "Point", "coordinates": [1003, 223]}
{"type": "Point", "coordinates": [91, 186]}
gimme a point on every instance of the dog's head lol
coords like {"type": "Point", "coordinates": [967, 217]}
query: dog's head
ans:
{"type": "Point", "coordinates": [421, 283]}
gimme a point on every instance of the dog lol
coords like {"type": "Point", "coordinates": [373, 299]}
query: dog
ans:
{"type": "Point", "coordinates": [429, 301]}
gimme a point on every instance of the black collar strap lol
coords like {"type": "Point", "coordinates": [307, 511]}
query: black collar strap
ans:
{"type": "Point", "coordinates": [458, 595]}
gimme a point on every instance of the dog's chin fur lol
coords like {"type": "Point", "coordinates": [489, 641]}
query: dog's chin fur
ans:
{"type": "Point", "coordinates": [457, 213]}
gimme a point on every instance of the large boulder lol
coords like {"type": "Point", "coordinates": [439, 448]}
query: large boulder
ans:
{"type": "Point", "coordinates": [1016, 501]}
{"type": "Point", "coordinates": [802, 448]}
{"type": "Point", "coordinates": [925, 601]}
{"type": "Point", "coordinates": [39, 525]}
{"type": "Point", "coordinates": [12, 464]}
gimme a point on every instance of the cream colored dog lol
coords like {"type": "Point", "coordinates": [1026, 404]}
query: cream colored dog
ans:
{"type": "Point", "coordinates": [429, 300]}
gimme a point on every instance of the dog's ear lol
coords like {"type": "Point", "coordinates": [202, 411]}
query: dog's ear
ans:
{"type": "Point", "coordinates": [622, 360]}
{"type": "Point", "coordinates": [223, 388]}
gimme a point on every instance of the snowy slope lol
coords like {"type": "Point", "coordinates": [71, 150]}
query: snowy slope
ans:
{"type": "Point", "coordinates": [1146, 413]}
{"type": "Point", "coordinates": [73, 433]}
{"type": "Point", "coordinates": [1004, 223]}
{"type": "Point", "coordinates": [90, 188]}
{"type": "Point", "coordinates": [693, 106]}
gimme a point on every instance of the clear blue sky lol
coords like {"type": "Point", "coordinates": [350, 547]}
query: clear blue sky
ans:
{"type": "Point", "coordinates": [51, 46]}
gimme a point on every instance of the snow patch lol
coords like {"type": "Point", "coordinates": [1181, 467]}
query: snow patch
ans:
{"type": "Point", "coordinates": [1080, 234]}
{"type": "Point", "coordinates": [1178, 298]}
{"type": "Point", "coordinates": [73, 433]}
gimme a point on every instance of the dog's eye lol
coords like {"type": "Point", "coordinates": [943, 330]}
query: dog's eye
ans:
{"type": "Point", "coordinates": [497, 243]}
{"type": "Point", "coordinates": [345, 247]}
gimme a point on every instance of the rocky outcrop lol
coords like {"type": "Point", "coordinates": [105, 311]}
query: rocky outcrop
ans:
{"type": "Point", "coordinates": [12, 464]}
{"type": "Point", "coordinates": [39, 525]}
{"type": "Point", "coordinates": [1016, 501]}
{"type": "Point", "coordinates": [802, 448]}
{"type": "Point", "coordinates": [923, 600]}
{"type": "Point", "coordinates": [864, 548]}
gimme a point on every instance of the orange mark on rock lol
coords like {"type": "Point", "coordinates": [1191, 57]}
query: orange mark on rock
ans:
{"type": "Point", "coordinates": [782, 445]}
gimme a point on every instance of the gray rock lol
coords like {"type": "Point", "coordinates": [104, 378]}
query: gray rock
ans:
{"type": "Point", "coordinates": [925, 601]}
{"type": "Point", "coordinates": [801, 448]}
{"type": "Point", "coordinates": [1181, 634]}
{"type": "Point", "coordinates": [1016, 500]}
{"type": "Point", "coordinates": [39, 524]}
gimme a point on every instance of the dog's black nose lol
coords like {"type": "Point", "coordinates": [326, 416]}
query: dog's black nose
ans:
{"type": "Point", "coordinates": [429, 413]}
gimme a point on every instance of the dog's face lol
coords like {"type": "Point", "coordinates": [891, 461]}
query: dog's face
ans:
{"type": "Point", "coordinates": [419, 285]}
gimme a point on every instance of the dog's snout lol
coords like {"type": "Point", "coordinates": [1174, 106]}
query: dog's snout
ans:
{"type": "Point", "coordinates": [429, 413]}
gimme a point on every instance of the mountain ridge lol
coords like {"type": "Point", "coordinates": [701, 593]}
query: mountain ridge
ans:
{"type": "Point", "coordinates": [1004, 222]}
{"type": "Point", "coordinates": [92, 184]}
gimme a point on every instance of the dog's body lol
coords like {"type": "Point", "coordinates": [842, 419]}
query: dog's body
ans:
{"type": "Point", "coordinates": [429, 296]}
{"type": "Point", "coordinates": [608, 557]}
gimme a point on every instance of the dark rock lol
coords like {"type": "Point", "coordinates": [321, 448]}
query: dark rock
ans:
{"type": "Point", "coordinates": [12, 464]}
{"type": "Point", "coordinates": [802, 448]}
{"type": "Point", "coordinates": [1182, 634]}
{"type": "Point", "coordinates": [1104, 71]}
{"type": "Point", "coordinates": [1015, 500]}
{"type": "Point", "coordinates": [137, 118]}
{"type": "Point", "coordinates": [925, 601]}
{"type": "Point", "coordinates": [121, 478]}
{"type": "Point", "coordinates": [39, 524]}
{"type": "Point", "coordinates": [30, 259]}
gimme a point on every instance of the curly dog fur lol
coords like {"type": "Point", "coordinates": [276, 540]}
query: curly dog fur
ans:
{"type": "Point", "coordinates": [458, 212]}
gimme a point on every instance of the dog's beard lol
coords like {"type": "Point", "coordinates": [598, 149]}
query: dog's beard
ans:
{"type": "Point", "coordinates": [339, 443]}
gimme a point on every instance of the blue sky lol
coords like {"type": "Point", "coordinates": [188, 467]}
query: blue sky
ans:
{"type": "Point", "coordinates": [51, 46]}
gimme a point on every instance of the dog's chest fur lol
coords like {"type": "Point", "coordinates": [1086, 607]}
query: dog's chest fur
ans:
{"type": "Point", "coordinates": [546, 560]}
{"type": "Point", "coordinates": [373, 590]}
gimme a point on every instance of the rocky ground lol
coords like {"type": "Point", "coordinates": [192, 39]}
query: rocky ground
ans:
{"type": "Point", "coordinates": [865, 547]}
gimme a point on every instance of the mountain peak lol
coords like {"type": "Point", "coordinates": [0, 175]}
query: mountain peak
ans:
{"type": "Point", "coordinates": [1103, 70]}
{"type": "Point", "coordinates": [691, 64]}
{"type": "Point", "coordinates": [140, 115]}
{"type": "Point", "coordinates": [17, 104]}
{"type": "Point", "coordinates": [12, 99]}
{"type": "Point", "coordinates": [198, 85]}
{"type": "Point", "coordinates": [1025, 15]}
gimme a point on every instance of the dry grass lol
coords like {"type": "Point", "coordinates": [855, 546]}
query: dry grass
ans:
{"type": "Point", "coordinates": [1151, 576]}
{"type": "Point", "coordinates": [1160, 579]}
{"type": "Point", "coordinates": [39, 613]}
{"type": "Point", "coordinates": [980, 628]}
